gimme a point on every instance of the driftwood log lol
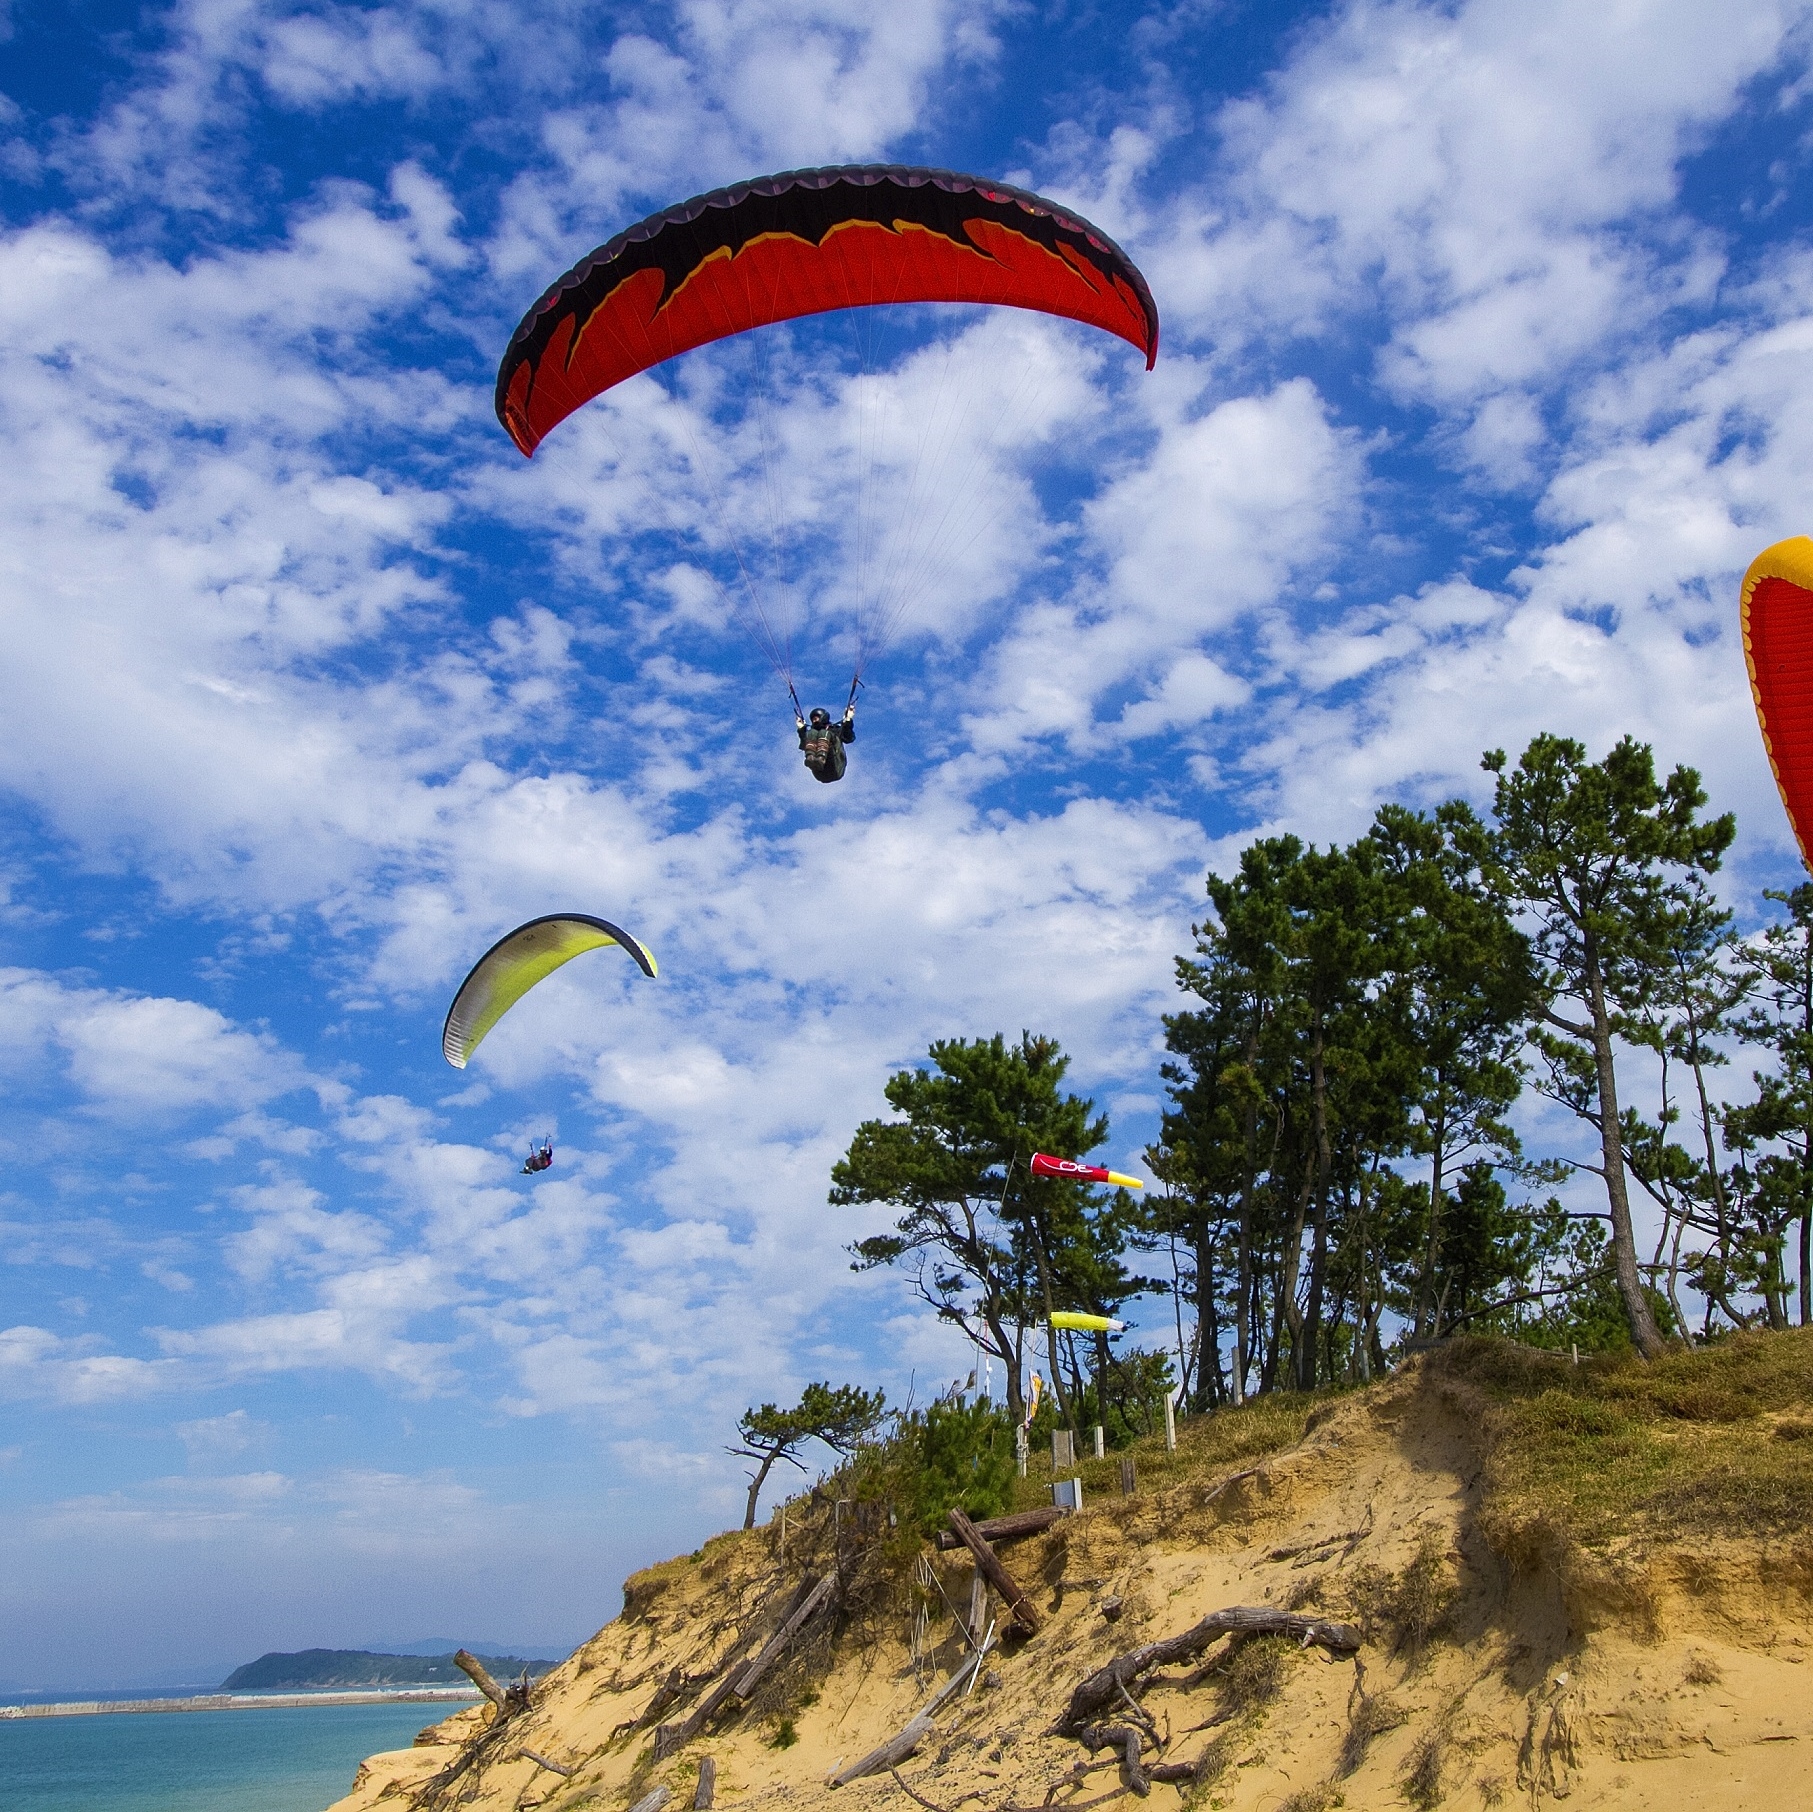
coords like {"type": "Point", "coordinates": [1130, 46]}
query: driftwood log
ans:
{"type": "Point", "coordinates": [1025, 1613]}
{"type": "Point", "coordinates": [902, 1744]}
{"type": "Point", "coordinates": [541, 1761]}
{"type": "Point", "coordinates": [1124, 1738]}
{"type": "Point", "coordinates": [706, 1790]}
{"type": "Point", "coordinates": [1007, 1528]}
{"type": "Point", "coordinates": [475, 1670]}
{"type": "Point", "coordinates": [1110, 1685]}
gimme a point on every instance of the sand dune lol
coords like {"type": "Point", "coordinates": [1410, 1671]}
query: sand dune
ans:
{"type": "Point", "coordinates": [1510, 1660]}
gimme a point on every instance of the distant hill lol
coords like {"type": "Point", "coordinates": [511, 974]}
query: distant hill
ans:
{"type": "Point", "coordinates": [445, 1645]}
{"type": "Point", "coordinates": [359, 1667]}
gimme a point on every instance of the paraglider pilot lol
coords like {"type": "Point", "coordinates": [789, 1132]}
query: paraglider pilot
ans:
{"type": "Point", "coordinates": [539, 1158]}
{"type": "Point", "coordinates": [822, 742]}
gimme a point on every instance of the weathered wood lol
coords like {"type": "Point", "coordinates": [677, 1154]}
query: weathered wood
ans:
{"type": "Point", "coordinates": [653, 1800]}
{"type": "Point", "coordinates": [1106, 1685]}
{"type": "Point", "coordinates": [1007, 1528]}
{"type": "Point", "coordinates": [1176, 1774]}
{"type": "Point", "coordinates": [475, 1671]}
{"type": "Point", "coordinates": [902, 1744]}
{"type": "Point", "coordinates": [707, 1788]}
{"type": "Point", "coordinates": [1128, 1477]}
{"type": "Point", "coordinates": [739, 1680]}
{"type": "Point", "coordinates": [772, 1649]}
{"type": "Point", "coordinates": [541, 1761]}
{"type": "Point", "coordinates": [1124, 1738]}
{"type": "Point", "coordinates": [1025, 1613]}
{"type": "Point", "coordinates": [670, 1692]}
{"type": "Point", "coordinates": [977, 1620]}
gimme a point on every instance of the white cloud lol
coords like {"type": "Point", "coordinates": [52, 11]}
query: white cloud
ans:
{"type": "Point", "coordinates": [128, 1057]}
{"type": "Point", "coordinates": [36, 1364]}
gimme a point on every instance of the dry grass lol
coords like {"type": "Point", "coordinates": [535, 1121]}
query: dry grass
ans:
{"type": "Point", "coordinates": [1411, 1606]}
{"type": "Point", "coordinates": [1423, 1778]}
{"type": "Point", "coordinates": [1691, 1443]}
{"type": "Point", "coordinates": [1254, 1674]}
{"type": "Point", "coordinates": [1702, 1670]}
{"type": "Point", "coordinates": [1369, 1715]}
{"type": "Point", "coordinates": [1314, 1799]}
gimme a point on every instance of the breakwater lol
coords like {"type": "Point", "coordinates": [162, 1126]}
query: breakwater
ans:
{"type": "Point", "coordinates": [227, 1701]}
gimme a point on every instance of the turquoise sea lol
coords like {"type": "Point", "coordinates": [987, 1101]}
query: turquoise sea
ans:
{"type": "Point", "coordinates": [284, 1760]}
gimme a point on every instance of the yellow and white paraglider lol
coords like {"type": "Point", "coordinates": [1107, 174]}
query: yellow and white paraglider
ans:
{"type": "Point", "coordinates": [514, 964]}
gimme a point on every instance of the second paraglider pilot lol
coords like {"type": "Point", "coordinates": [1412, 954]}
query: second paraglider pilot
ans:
{"type": "Point", "coordinates": [822, 742]}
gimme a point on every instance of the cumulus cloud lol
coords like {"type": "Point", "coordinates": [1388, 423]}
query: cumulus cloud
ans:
{"type": "Point", "coordinates": [1469, 416]}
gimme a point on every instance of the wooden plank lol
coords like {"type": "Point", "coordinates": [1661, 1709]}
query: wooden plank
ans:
{"type": "Point", "coordinates": [771, 1651]}
{"type": "Point", "coordinates": [1007, 1528]}
{"type": "Point", "coordinates": [1025, 1613]}
{"type": "Point", "coordinates": [704, 1792]}
{"type": "Point", "coordinates": [902, 1744]}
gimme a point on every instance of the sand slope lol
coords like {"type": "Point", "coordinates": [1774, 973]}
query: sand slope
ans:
{"type": "Point", "coordinates": [1676, 1677]}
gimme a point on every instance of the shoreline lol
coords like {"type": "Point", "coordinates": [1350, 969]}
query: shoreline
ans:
{"type": "Point", "coordinates": [222, 1701]}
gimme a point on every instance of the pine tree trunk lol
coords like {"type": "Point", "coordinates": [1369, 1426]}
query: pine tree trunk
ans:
{"type": "Point", "coordinates": [1645, 1335]}
{"type": "Point", "coordinates": [1438, 1141]}
{"type": "Point", "coordinates": [755, 1488]}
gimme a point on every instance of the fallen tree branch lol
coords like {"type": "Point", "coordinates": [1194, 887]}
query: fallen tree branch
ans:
{"type": "Point", "coordinates": [908, 1791]}
{"type": "Point", "coordinates": [1233, 1478]}
{"type": "Point", "coordinates": [1312, 1547]}
{"type": "Point", "coordinates": [541, 1761]}
{"type": "Point", "coordinates": [1105, 1685]}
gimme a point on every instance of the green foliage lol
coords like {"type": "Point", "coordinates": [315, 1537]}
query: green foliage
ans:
{"type": "Point", "coordinates": [954, 1455]}
{"type": "Point", "coordinates": [989, 1246]}
{"type": "Point", "coordinates": [840, 1418]}
{"type": "Point", "coordinates": [1615, 1449]}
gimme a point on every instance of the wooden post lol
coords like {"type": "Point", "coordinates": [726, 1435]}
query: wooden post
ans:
{"type": "Point", "coordinates": [1101, 1451]}
{"type": "Point", "coordinates": [1025, 1613]}
{"type": "Point", "coordinates": [1170, 1421]}
{"type": "Point", "coordinates": [978, 1608]}
{"type": "Point", "coordinates": [707, 1787]}
{"type": "Point", "coordinates": [1020, 1449]}
{"type": "Point", "coordinates": [1126, 1475]}
{"type": "Point", "coordinates": [1063, 1450]}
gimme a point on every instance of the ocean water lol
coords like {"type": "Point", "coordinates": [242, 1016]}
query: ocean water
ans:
{"type": "Point", "coordinates": [287, 1759]}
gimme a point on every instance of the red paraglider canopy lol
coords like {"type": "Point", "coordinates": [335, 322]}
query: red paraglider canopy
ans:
{"type": "Point", "coordinates": [804, 243]}
{"type": "Point", "coordinates": [1776, 609]}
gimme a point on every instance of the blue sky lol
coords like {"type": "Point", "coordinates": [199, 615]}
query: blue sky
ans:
{"type": "Point", "coordinates": [1487, 351]}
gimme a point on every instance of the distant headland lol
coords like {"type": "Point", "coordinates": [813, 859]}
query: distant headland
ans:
{"type": "Point", "coordinates": [329, 1668]}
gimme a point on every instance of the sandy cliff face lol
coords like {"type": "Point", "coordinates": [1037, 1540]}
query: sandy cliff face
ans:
{"type": "Point", "coordinates": [1501, 1666]}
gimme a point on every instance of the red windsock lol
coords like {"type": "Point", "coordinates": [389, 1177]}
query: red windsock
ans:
{"type": "Point", "coordinates": [1071, 1170]}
